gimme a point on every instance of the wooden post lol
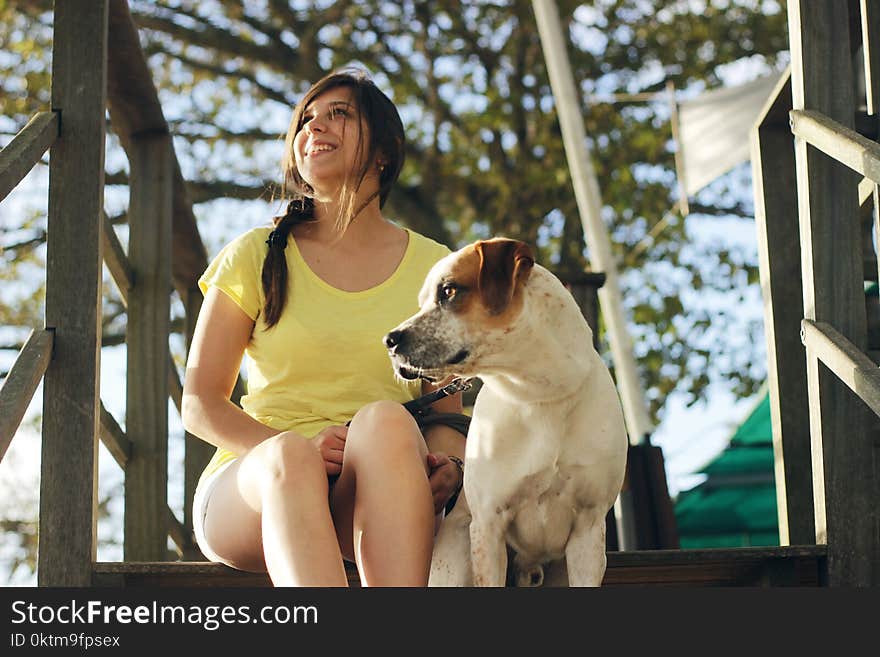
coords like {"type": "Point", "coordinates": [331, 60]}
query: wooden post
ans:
{"type": "Point", "coordinates": [846, 514]}
{"type": "Point", "coordinates": [776, 219]}
{"type": "Point", "coordinates": [149, 253]}
{"type": "Point", "coordinates": [68, 469]}
{"type": "Point", "coordinates": [197, 451]}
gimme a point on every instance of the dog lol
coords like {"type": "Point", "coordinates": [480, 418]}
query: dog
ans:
{"type": "Point", "coordinates": [546, 451]}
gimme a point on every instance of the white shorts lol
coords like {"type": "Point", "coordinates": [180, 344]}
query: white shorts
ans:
{"type": "Point", "coordinates": [200, 509]}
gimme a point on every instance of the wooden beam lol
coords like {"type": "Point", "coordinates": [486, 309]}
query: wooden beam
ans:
{"type": "Point", "coordinates": [870, 14]}
{"type": "Point", "coordinates": [119, 446]}
{"type": "Point", "coordinates": [762, 567]}
{"type": "Point", "coordinates": [778, 105]}
{"type": "Point", "coordinates": [68, 470]}
{"type": "Point", "coordinates": [846, 512]}
{"type": "Point", "coordinates": [146, 522]}
{"type": "Point", "coordinates": [114, 438]}
{"type": "Point", "coordinates": [178, 533]}
{"type": "Point", "coordinates": [175, 387]}
{"type": "Point", "coordinates": [779, 266]}
{"type": "Point", "coordinates": [115, 258]}
{"type": "Point", "coordinates": [25, 150]}
{"type": "Point", "coordinates": [850, 365]}
{"type": "Point", "coordinates": [837, 140]}
{"type": "Point", "coordinates": [120, 270]}
{"type": "Point", "coordinates": [134, 109]}
{"type": "Point", "coordinates": [20, 384]}
{"type": "Point", "coordinates": [197, 451]}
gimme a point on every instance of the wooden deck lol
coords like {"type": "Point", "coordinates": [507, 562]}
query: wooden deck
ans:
{"type": "Point", "coordinates": [737, 567]}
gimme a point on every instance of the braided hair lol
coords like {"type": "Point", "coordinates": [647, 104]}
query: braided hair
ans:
{"type": "Point", "coordinates": [386, 137]}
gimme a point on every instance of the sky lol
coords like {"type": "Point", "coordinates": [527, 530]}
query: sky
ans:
{"type": "Point", "coordinates": [689, 436]}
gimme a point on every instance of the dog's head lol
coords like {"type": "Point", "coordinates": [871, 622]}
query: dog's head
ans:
{"type": "Point", "coordinates": [469, 301]}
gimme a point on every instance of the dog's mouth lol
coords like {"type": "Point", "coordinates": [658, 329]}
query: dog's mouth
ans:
{"type": "Point", "coordinates": [410, 372]}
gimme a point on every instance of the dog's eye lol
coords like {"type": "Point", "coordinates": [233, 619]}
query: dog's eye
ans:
{"type": "Point", "coordinates": [446, 292]}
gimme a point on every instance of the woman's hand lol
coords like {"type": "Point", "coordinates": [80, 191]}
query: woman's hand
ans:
{"type": "Point", "coordinates": [445, 479]}
{"type": "Point", "coordinates": [330, 442]}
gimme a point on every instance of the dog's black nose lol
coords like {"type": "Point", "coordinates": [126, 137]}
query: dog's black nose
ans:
{"type": "Point", "coordinates": [394, 339]}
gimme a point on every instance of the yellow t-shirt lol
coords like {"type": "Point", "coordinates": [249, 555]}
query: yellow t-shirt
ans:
{"type": "Point", "coordinates": [324, 359]}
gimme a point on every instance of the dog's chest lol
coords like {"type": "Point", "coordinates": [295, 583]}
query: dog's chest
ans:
{"type": "Point", "coordinates": [543, 510]}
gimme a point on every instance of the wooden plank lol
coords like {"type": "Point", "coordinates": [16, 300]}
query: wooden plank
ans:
{"type": "Point", "coordinates": [837, 140]}
{"type": "Point", "coordinates": [68, 471]}
{"type": "Point", "coordinates": [25, 150]}
{"type": "Point", "coordinates": [839, 355]}
{"type": "Point", "coordinates": [846, 512]}
{"type": "Point", "coordinates": [175, 387]}
{"type": "Point", "coordinates": [778, 105]}
{"type": "Point", "coordinates": [134, 109]}
{"type": "Point", "coordinates": [779, 266]}
{"type": "Point", "coordinates": [775, 566]}
{"type": "Point", "coordinates": [114, 438]}
{"type": "Point", "coordinates": [115, 258]}
{"type": "Point", "coordinates": [120, 270]}
{"type": "Point", "coordinates": [119, 446]}
{"type": "Point", "coordinates": [20, 384]}
{"type": "Point", "coordinates": [178, 534]}
{"type": "Point", "coordinates": [197, 451]}
{"type": "Point", "coordinates": [870, 14]}
{"type": "Point", "coordinates": [146, 526]}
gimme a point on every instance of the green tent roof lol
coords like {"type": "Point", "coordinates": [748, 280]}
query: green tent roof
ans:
{"type": "Point", "coordinates": [736, 509]}
{"type": "Point", "coordinates": [741, 460]}
{"type": "Point", "coordinates": [757, 428]}
{"type": "Point", "coordinates": [736, 505]}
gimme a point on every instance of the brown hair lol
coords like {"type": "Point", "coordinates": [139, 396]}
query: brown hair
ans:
{"type": "Point", "coordinates": [386, 137]}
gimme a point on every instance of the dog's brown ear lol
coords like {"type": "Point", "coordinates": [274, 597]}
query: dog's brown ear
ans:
{"type": "Point", "coordinates": [504, 266]}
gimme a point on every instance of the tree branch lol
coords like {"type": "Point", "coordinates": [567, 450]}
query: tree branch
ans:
{"type": "Point", "coordinates": [270, 93]}
{"type": "Point", "coordinates": [220, 40]}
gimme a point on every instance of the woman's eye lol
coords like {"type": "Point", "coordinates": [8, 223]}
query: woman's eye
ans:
{"type": "Point", "coordinates": [337, 111]}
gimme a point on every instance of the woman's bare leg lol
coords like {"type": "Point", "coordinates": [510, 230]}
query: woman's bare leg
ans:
{"type": "Point", "coordinates": [269, 512]}
{"type": "Point", "coordinates": [382, 504]}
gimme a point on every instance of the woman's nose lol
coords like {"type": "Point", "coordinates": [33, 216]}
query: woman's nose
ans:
{"type": "Point", "coordinates": [315, 126]}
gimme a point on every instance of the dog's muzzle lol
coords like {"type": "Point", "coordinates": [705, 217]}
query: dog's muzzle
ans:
{"type": "Point", "coordinates": [412, 360]}
{"type": "Point", "coordinates": [395, 342]}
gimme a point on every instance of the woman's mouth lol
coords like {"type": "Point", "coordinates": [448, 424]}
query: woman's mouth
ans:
{"type": "Point", "coordinates": [320, 149]}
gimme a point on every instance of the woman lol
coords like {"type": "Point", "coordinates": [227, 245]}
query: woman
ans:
{"type": "Point", "coordinates": [292, 489]}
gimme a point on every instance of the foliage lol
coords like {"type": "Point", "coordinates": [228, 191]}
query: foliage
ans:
{"type": "Point", "coordinates": [485, 155]}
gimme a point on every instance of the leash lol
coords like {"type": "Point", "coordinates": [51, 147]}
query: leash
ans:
{"type": "Point", "coordinates": [421, 406]}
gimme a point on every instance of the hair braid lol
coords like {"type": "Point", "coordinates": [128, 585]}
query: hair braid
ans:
{"type": "Point", "coordinates": [274, 274]}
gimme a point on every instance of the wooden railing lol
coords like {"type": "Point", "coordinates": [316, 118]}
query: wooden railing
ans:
{"type": "Point", "coordinates": [813, 187]}
{"type": "Point", "coordinates": [17, 159]}
{"type": "Point", "coordinates": [65, 353]}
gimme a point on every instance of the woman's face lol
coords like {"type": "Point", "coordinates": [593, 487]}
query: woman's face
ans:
{"type": "Point", "coordinates": [326, 146]}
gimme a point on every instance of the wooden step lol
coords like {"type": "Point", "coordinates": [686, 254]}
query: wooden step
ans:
{"type": "Point", "coordinates": [773, 566]}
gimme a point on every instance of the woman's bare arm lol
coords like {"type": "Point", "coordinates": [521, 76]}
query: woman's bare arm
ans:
{"type": "Point", "coordinates": [221, 335]}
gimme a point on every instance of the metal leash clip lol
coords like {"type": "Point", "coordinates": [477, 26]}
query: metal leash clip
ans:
{"type": "Point", "coordinates": [422, 405]}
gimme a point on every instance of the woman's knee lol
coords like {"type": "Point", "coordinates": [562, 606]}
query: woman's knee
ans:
{"type": "Point", "coordinates": [288, 460]}
{"type": "Point", "coordinates": [385, 427]}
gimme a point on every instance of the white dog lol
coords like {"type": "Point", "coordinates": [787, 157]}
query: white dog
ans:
{"type": "Point", "coordinates": [546, 451]}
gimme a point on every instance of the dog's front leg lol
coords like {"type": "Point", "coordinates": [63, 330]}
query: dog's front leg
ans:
{"type": "Point", "coordinates": [585, 551]}
{"type": "Point", "coordinates": [488, 552]}
{"type": "Point", "coordinates": [451, 561]}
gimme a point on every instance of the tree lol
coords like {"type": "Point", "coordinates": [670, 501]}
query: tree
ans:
{"type": "Point", "coordinates": [484, 155]}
